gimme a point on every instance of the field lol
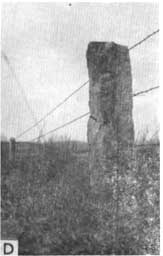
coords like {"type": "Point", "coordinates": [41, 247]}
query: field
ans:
{"type": "Point", "coordinates": [47, 203]}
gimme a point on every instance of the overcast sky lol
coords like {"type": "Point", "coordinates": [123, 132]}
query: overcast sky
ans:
{"type": "Point", "coordinates": [46, 44]}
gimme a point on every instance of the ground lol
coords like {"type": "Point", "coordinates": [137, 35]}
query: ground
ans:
{"type": "Point", "coordinates": [48, 207]}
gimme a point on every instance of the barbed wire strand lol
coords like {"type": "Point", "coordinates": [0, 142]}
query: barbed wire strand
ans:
{"type": "Point", "coordinates": [147, 144]}
{"type": "Point", "coordinates": [144, 39]}
{"type": "Point", "coordinates": [59, 127]}
{"type": "Point", "coordinates": [145, 91]}
{"type": "Point", "coordinates": [79, 88]}
{"type": "Point", "coordinates": [52, 110]}
{"type": "Point", "coordinates": [80, 117]}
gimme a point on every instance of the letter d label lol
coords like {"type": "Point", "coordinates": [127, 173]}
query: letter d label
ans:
{"type": "Point", "coordinates": [9, 247]}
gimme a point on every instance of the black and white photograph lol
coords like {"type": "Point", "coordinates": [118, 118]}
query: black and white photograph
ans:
{"type": "Point", "coordinates": [80, 128]}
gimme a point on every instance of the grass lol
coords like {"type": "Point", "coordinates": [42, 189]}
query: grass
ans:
{"type": "Point", "coordinates": [47, 205]}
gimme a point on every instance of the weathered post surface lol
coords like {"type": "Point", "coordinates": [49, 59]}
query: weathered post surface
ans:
{"type": "Point", "coordinates": [110, 128]}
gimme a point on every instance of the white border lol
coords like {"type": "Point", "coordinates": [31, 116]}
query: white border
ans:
{"type": "Point", "coordinates": [160, 73]}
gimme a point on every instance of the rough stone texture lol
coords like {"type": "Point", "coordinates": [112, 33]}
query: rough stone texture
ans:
{"type": "Point", "coordinates": [110, 126]}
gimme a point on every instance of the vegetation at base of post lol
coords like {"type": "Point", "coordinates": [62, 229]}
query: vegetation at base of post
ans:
{"type": "Point", "coordinates": [48, 207]}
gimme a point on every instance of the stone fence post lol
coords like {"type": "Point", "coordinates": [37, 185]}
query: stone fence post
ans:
{"type": "Point", "coordinates": [110, 129]}
{"type": "Point", "coordinates": [12, 149]}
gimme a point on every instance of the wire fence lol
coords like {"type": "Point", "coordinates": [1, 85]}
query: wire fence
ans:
{"type": "Point", "coordinates": [84, 84]}
{"type": "Point", "coordinates": [84, 115]}
{"type": "Point", "coordinates": [36, 123]}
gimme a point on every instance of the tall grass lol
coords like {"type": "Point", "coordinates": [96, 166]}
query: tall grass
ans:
{"type": "Point", "coordinates": [47, 205]}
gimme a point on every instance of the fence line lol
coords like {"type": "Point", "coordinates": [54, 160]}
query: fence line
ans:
{"type": "Point", "coordinates": [147, 144]}
{"type": "Point", "coordinates": [79, 88]}
{"type": "Point", "coordinates": [53, 109]}
{"type": "Point", "coordinates": [144, 39]}
{"type": "Point", "coordinates": [145, 91]}
{"type": "Point", "coordinates": [14, 152]}
{"type": "Point", "coordinates": [60, 127]}
{"type": "Point", "coordinates": [86, 114]}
